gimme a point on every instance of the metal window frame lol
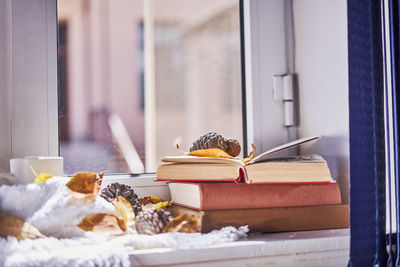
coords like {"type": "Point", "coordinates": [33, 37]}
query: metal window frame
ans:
{"type": "Point", "coordinates": [268, 51]}
{"type": "Point", "coordinates": [30, 71]}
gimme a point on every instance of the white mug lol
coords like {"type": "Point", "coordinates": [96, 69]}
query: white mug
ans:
{"type": "Point", "coordinates": [25, 170]}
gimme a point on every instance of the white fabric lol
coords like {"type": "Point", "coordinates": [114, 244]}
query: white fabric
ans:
{"type": "Point", "coordinates": [50, 208]}
{"type": "Point", "coordinates": [103, 250]}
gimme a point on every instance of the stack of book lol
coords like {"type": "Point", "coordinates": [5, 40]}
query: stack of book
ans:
{"type": "Point", "coordinates": [269, 195]}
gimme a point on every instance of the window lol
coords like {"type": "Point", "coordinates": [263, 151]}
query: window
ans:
{"type": "Point", "coordinates": [29, 124]}
{"type": "Point", "coordinates": [271, 28]}
{"type": "Point", "coordinates": [30, 78]}
{"type": "Point", "coordinates": [138, 77]}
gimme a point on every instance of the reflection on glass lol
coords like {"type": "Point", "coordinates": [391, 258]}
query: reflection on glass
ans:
{"type": "Point", "coordinates": [103, 82]}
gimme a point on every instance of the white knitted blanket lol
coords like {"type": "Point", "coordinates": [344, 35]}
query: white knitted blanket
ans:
{"type": "Point", "coordinates": [50, 208]}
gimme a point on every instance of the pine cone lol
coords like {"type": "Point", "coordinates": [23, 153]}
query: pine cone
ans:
{"type": "Point", "coordinates": [215, 140]}
{"type": "Point", "coordinates": [152, 222]}
{"type": "Point", "coordinates": [233, 147]}
{"type": "Point", "coordinates": [116, 189]}
{"type": "Point", "coordinates": [210, 140]}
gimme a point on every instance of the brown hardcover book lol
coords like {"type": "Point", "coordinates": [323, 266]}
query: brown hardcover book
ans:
{"type": "Point", "coordinates": [273, 219]}
{"type": "Point", "coordinates": [298, 169]}
{"type": "Point", "coordinates": [216, 196]}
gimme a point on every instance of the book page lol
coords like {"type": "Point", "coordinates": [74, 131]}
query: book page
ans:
{"type": "Point", "coordinates": [194, 159]}
{"type": "Point", "coordinates": [302, 158]}
{"type": "Point", "coordinates": [282, 147]}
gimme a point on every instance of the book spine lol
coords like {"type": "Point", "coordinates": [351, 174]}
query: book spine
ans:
{"type": "Point", "coordinates": [242, 175]}
{"type": "Point", "coordinates": [243, 196]}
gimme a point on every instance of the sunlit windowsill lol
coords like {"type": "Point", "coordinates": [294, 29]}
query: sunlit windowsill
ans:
{"type": "Point", "coordinates": [308, 248]}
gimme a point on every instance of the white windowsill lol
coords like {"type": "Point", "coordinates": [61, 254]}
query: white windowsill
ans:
{"type": "Point", "coordinates": [308, 248]}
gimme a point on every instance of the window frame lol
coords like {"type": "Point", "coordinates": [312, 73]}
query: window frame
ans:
{"type": "Point", "coordinates": [268, 51]}
{"type": "Point", "coordinates": [31, 72]}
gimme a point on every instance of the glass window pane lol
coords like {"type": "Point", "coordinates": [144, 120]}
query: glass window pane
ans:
{"type": "Point", "coordinates": [136, 78]}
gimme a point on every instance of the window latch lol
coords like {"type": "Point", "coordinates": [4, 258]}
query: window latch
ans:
{"type": "Point", "coordinates": [283, 90]}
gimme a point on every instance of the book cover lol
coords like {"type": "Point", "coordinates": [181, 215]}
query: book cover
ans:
{"type": "Point", "coordinates": [273, 219]}
{"type": "Point", "coordinates": [216, 196]}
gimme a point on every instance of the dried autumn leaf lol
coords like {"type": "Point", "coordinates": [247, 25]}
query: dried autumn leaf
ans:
{"type": "Point", "coordinates": [248, 159]}
{"type": "Point", "coordinates": [85, 184]}
{"type": "Point", "coordinates": [180, 150]}
{"type": "Point", "coordinates": [103, 223]}
{"type": "Point", "coordinates": [42, 177]}
{"type": "Point", "coordinates": [13, 226]}
{"type": "Point", "coordinates": [125, 209]}
{"type": "Point", "coordinates": [146, 200]}
{"type": "Point", "coordinates": [156, 206]}
{"type": "Point", "coordinates": [185, 223]}
{"type": "Point", "coordinates": [210, 152]}
{"type": "Point", "coordinates": [163, 205]}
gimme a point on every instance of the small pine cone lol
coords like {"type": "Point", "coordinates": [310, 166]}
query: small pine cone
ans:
{"type": "Point", "coordinates": [152, 222]}
{"type": "Point", "coordinates": [210, 140]}
{"type": "Point", "coordinates": [233, 147]}
{"type": "Point", "coordinates": [116, 189]}
{"type": "Point", "coordinates": [215, 140]}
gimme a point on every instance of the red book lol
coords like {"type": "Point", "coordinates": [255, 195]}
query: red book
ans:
{"type": "Point", "coordinates": [217, 196]}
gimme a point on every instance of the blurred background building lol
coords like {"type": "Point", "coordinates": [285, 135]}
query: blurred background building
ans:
{"type": "Point", "coordinates": [136, 78]}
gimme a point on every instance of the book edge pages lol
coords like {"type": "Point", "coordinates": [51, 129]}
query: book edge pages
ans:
{"type": "Point", "coordinates": [193, 189]}
{"type": "Point", "coordinates": [240, 175]}
{"type": "Point", "coordinates": [282, 147]}
{"type": "Point", "coordinates": [322, 178]}
{"type": "Point", "coordinates": [194, 159]}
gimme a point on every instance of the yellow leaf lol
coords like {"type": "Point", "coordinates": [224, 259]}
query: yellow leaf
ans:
{"type": "Point", "coordinates": [248, 159]}
{"type": "Point", "coordinates": [146, 200]}
{"type": "Point", "coordinates": [150, 203]}
{"type": "Point", "coordinates": [210, 152]}
{"type": "Point", "coordinates": [85, 184]}
{"type": "Point", "coordinates": [42, 177]}
{"type": "Point", "coordinates": [13, 226]}
{"type": "Point", "coordinates": [185, 223]}
{"type": "Point", "coordinates": [163, 205]}
{"type": "Point", "coordinates": [125, 209]}
{"type": "Point", "coordinates": [103, 223]}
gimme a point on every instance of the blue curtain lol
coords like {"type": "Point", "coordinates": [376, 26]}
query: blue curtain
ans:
{"type": "Point", "coordinates": [367, 135]}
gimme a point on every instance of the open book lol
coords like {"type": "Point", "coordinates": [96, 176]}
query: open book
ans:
{"type": "Point", "coordinates": [262, 169]}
